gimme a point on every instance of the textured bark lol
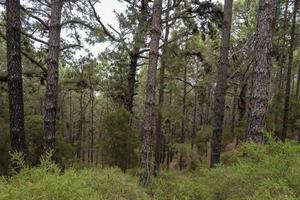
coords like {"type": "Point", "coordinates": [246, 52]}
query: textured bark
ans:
{"type": "Point", "coordinates": [139, 42]}
{"type": "Point", "coordinates": [51, 99]}
{"type": "Point", "coordinates": [14, 76]}
{"type": "Point", "coordinates": [220, 92]}
{"type": "Point", "coordinates": [289, 74]}
{"type": "Point", "coordinates": [259, 92]}
{"type": "Point", "coordinates": [161, 95]}
{"type": "Point", "coordinates": [147, 130]}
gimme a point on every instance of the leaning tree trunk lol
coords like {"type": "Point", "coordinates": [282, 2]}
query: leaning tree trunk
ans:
{"type": "Point", "coordinates": [14, 76]}
{"type": "Point", "coordinates": [147, 130]}
{"type": "Point", "coordinates": [220, 92]}
{"type": "Point", "coordinates": [52, 75]}
{"type": "Point", "coordinates": [259, 92]}
{"type": "Point", "coordinates": [289, 74]}
{"type": "Point", "coordinates": [139, 42]}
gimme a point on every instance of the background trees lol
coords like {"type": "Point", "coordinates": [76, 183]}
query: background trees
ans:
{"type": "Point", "coordinates": [165, 54]}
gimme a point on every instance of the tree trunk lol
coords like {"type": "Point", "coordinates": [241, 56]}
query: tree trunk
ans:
{"type": "Point", "coordinates": [298, 83]}
{"type": "Point", "coordinates": [183, 119]}
{"type": "Point", "coordinates": [289, 74]}
{"type": "Point", "coordinates": [80, 127]}
{"type": "Point", "coordinates": [92, 128]}
{"type": "Point", "coordinates": [51, 99]}
{"type": "Point", "coordinates": [220, 92]}
{"type": "Point", "coordinates": [14, 76]}
{"type": "Point", "coordinates": [282, 62]}
{"type": "Point", "coordinates": [233, 115]}
{"type": "Point", "coordinates": [147, 130]}
{"type": "Point", "coordinates": [161, 94]}
{"type": "Point", "coordinates": [139, 42]}
{"type": "Point", "coordinates": [261, 78]}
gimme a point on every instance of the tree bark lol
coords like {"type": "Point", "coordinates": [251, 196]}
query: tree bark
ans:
{"type": "Point", "coordinates": [289, 74]}
{"type": "Point", "coordinates": [259, 92]}
{"type": "Point", "coordinates": [51, 99]}
{"type": "Point", "coordinates": [147, 129]}
{"type": "Point", "coordinates": [139, 42]}
{"type": "Point", "coordinates": [220, 92]}
{"type": "Point", "coordinates": [14, 76]}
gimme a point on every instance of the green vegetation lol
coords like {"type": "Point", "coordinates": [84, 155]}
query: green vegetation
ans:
{"type": "Point", "coordinates": [256, 172]}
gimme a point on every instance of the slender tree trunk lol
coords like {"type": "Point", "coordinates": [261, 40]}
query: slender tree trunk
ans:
{"type": "Point", "coordinates": [92, 128]}
{"type": "Point", "coordinates": [139, 42]}
{"type": "Point", "coordinates": [289, 74]}
{"type": "Point", "coordinates": [51, 99]}
{"type": "Point", "coordinates": [282, 62]}
{"type": "Point", "coordinates": [147, 130]}
{"type": "Point", "coordinates": [261, 78]}
{"type": "Point", "coordinates": [194, 131]}
{"type": "Point", "coordinates": [298, 83]}
{"type": "Point", "coordinates": [80, 127]}
{"type": "Point", "coordinates": [70, 136]}
{"type": "Point", "coordinates": [14, 76]}
{"type": "Point", "coordinates": [220, 92]}
{"type": "Point", "coordinates": [233, 115]}
{"type": "Point", "coordinates": [161, 94]}
{"type": "Point", "coordinates": [183, 119]}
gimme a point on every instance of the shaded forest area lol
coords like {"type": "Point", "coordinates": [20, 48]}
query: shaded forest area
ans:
{"type": "Point", "coordinates": [189, 99]}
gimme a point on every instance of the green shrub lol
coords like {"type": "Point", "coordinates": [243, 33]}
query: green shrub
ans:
{"type": "Point", "coordinates": [48, 182]}
{"type": "Point", "coordinates": [266, 172]}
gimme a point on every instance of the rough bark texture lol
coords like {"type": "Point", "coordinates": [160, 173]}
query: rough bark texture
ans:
{"type": "Point", "coordinates": [220, 92]}
{"type": "Point", "coordinates": [147, 130]}
{"type": "Point", "coordinates": [52, 75]}
{"type": "Point", "coordinates": [139, 42]}
{"type": "Point", "coordinates": [161, 97]}
{"type": "Point", "coordinates": [289, 74]}
{"type": "Point", "coordinates": [14, 76]}
{"type": "Point", "coordinates": [259, 92]}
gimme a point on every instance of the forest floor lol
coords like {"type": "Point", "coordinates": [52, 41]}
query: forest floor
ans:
{"type": "Point", "coordinates": [252, 172]}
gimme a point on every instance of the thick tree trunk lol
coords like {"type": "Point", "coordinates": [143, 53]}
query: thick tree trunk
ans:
{"type": "Point", "coordinates": [14, 76]}
{"type": "Point", "coordinates": [52, 75]}
{"type": "Point", "coordinates": [139, 42]}
{"type": "Point", "coordinates": [220, 92]}
{"type": "Point", "coordinates": [262, 67]}
{"type": "Point", "coordinates": [161, 94]}
{"type": "Point", "coordinates": [147, 130]}
{"type": "Point", "coordinates": [289, 74]}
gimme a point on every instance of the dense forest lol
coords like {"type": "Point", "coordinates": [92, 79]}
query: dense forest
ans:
{"type": "Point", "coordinates": [176, 100]}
